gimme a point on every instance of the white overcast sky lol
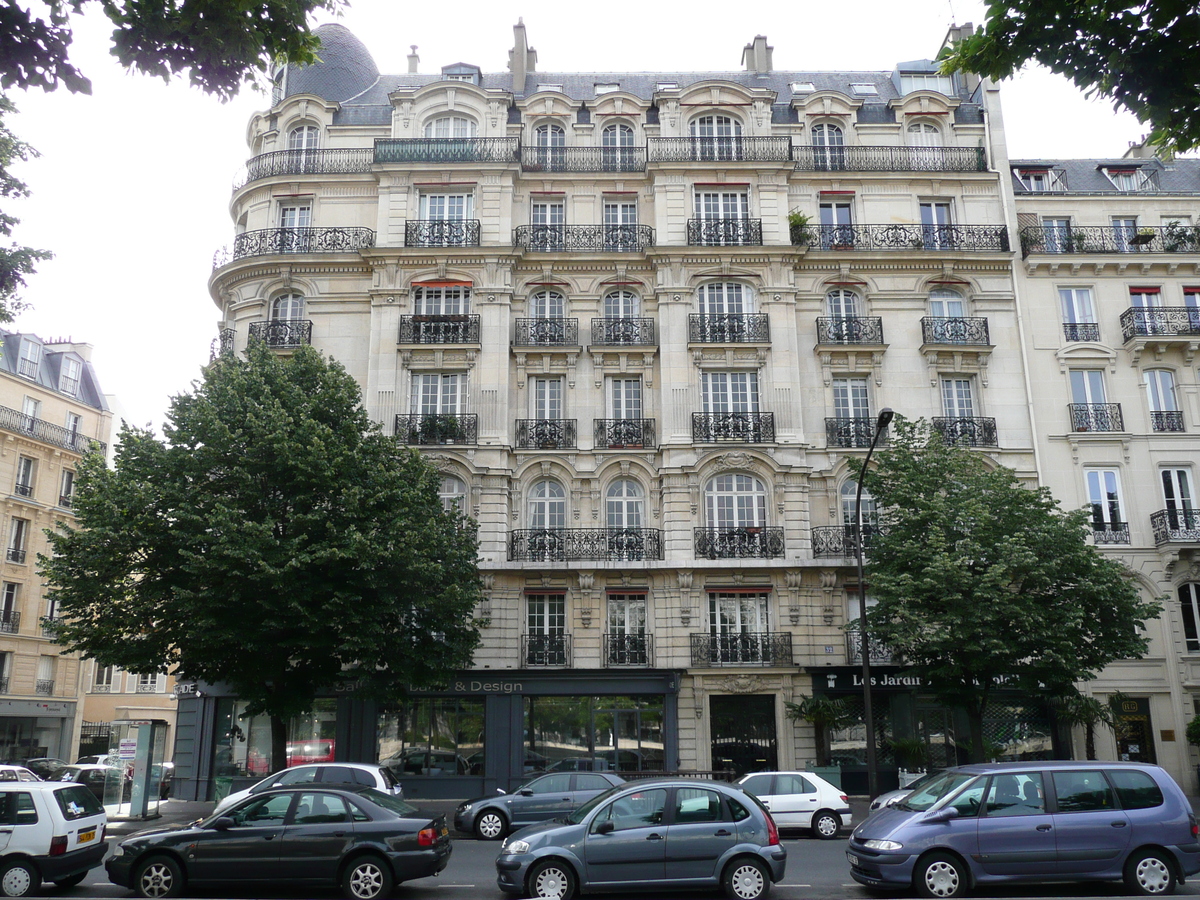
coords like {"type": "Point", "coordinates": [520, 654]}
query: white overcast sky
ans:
{"type": "Point", "coordinates": [132, 188]}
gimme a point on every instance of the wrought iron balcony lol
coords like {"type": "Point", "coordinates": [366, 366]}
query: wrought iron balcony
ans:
{"type": "Point", "coordinates": [1166, 420]}
{"type": "Point", "coordinates": [447, 150]}
{"type": "Point", "coordinates": [762, 648]}
{"type": "Point", "coordinates": [346, 161]}
{"type": "Point", "coordinates": [622, 649]}
{"type": "Point", "coordinates": [1110, 532]}
{"type": "Point", "coordinates": [546, 649]}
{"type": "Point", "coordinates": [439, 329]}
{"type": "Point", "coordinates": [724, 232]}
{"type": "Point", "coordinates": [841, 541]}
{"type": "Point", "coordinates": [281, 334]}
{"type": "Point", "coordinates": [23, 490]}
{"type": "Point", "coordinates": [743, 542]}
{"type": "Point", "coordinates": [546, 333]}
{"type": "Point", "coordinates": [851, 432]}
{"type": "Point", "coordinates": [565, 544]}
{"type": "Point", "coordinates": [1081, 331]}
{"type": "Point", "coordinates": [1160, 321]}
{"type": "Point", "coordinates": [733, 427]}
{"type": "Point", "coordinates": [1096, 417]}
{"type": "Point", "coordinates": [41, 430]}
{"type": "Point", "coordinates": [267, 241]}
{"type": "Point", "coordinates": [720, 148]}
{"type": "Point", "coordinates": [144, 688]}
{"type": "Point", "coordinates": [441, 233]}
{"type": "Point", "coordinates": [3, 685]}
{"type": "Point", "coordinates": [44, 686]}
{"type": "Point", "coordinates": [582, 159]}
{"type": "Point", "coordinates": [546, 434]}
{"type": "Point", "coordinates": [1176, 526]}
{"type": "Point", "coordinates": [10, 622]}
{"type": "Point", "coordinates": [624, 434]}
{"type": "Point", "coordinates": [584, 238]}
{"type": "Point", "coordinates": [849, 330]}
{"type": "Point", "coordinates": [729, 328]}
{"type": "Point", "coordinates": [940, 238]}
{"type": "Point", "coordinates": [15, 555]}
{"type": "Point", "coordinates": [635, 332]}
{"type": "Point", "coordinates": [967, 431]}
{"type": "Point", "coordinates": [889, 159]}
{"type": "Point", "coordinates": [222, 344]}
{"type": "Point", "coordinates": [48, 623]}
{"type": "Point", "coordinates": [957, 330]}
{"type": "Point", "coordinates": [439, 428]}
{"type": "Point", "coordinates": [1109, 239]}
{"type": "Point", "coordinates": [879, 654]}
{"type": "Point", "coordinates": [66, 501]}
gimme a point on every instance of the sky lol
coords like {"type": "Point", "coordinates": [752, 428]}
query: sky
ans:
{"type": "Point", "coordinates": [131, 190]}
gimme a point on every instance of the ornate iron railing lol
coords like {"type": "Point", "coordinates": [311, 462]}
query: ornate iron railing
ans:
{"type": "Point", "coordinates": [44, 686]}
{"type": "Point", "coordinates": [1176, 526]}
{"type": "Point", "coordinates": [584, 238]}
{"type": "Point", "coordinates": [66, 501]}
{"type": "Point", "coordinates": [441, 233]}
{"type": "Point", "coordinates": [1166, 420]}
{"type": "Point", "coordinates": [849, 330]}
{"type": "Point", "coordinates": [546, 649]}
{"type": "Point", "coordinates": [1110, 239]}
{"type": "Point", "coordinates": [729, 328]}
{"type": "Point", "coordinates": [281, 334]}
{"type": "Point", "coordinates": [744, 542]}
{"type": "Point", "coordinates": [546, 434]}
{"type": "Point", "coordinates": [878, 652]}
{"type": "Point", "coordinates": [1156, 321]}
{"type": "Point", "coordinates": [102, 689]}
{"type": "Point", "coordinates": [546, 333]}
{"type": "Point", "coordinates": [720, 149]}
{"type": "Point", "coordinates": [346, 161]}
{"type": "Point", "coordinates": [15, 555]}
{"type": "Point", "coordinates": [48, 623]}
{"type": "Point", "coordinates": [841, 541]}
{"type": "Point", "coordinates": [23, 490]}
{"type": "Point", "coordinates": [1096, 417]}
{"type": "Point", "coordinates": [582, 159]}
{"type": "Point", "coordinates": [624, 332]}
{"type": "Point", "coordinates": [439, 329]}
{"type": "Point", "coordinates": [889, 159]}
{"type": "Point", "coordinates": [39, 429]}
{"type": "Point", "coordinates": [955, 330]}
{"type": "Point", "coordinates": [1081, 331]}
{"type": "Point", "coordinates": [624, 434]}
{"type": "Point", "coordinates": [851, 432]}
{"type": "Point", "coordinates": [10, 622]}
{"type": "Point", "coordinates": [439, 428]}
{"type": "Point", "coordinates": [967, 431]}
{"type": "Point", "coordinates": [764, 648]}
{"type": "Point", "coordinates": [3, 685]}
{"type": "Point", "coordinates": [146, 688]}
{"type": "Point", "coordinates": [267, 241]}
{"type": "Point", "coordinates": [446, 150]}
{"type": "Point", "coordinates": [1110, 532]}
{"type": "Point", "coordinates": [224, 343]}
{"type": "Point", "coordinates": [622, 649]}
{"type": "Point", "coordinates": [724, 232]}
{"type": "Point", "coordinates": [564, 544]}
{"type": "Point", "coordinates": [736, 427]}
{"type": "Point", "coordinates": [942, 238]}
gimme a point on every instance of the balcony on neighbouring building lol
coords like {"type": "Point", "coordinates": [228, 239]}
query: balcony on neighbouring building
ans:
{"type": "Point", "coordinates": [423, 429]}
{"type": "Point", "coordinates": [346, 161]}
{"type": "Point", "coordinates": [15, 555]}
{"type": "Point", "coordinates": [441, 233]}
{"type": "Point", "coordinates": [729, 328]}
{"type": "Point", "coordinates": [966, 431]}
{"type": "Point", "coordinates": [939, 238]}
{"type": "Point", "coordinates": [546, 333]}
{"type": "Point", "coordinates": [739, 542]}
{"type": "Point", "coordinates": [147, 688]}
{"type": "Point", "coordinates": [22, 489]}
{"type": "Point", "coordinates": [546, 434]}
{"type": "Point", "coordinates": [724, 232]}
{"type": "Point", "coordinates": [720, 148]}
{"type": "Point", "coordinates": [956, 330]}
{"type": "Point", "coordinates": [10, 622]}
{"type": "Point", "coordinates": [552, 649]}
{"type": "Point", "coordinates": [583, 238]}
{"type": "Point", "coordinates": [628, 332]}
{"type": "Point", "coordinates": [446, 150]}
{"type": "Point", "coordinates": [624, 434]}
{"type": "Point", "coordinates": [849, 330]}
{"type": "Point", "coordinates": [48, 623]}
{"type": "Point", "coordinates": [1166, 420]}
{"type": "Point", "coordinates": [1110, 532]}
{"type": "Point", "coordinates": [440, 329]}
{"type": "Point", "coordinates": [841, 541]}
{"type": "Point", "coordinates": [851, 432]}
{"type": "Point", "coordinates": [41, 430]}
{"type": "Point", "coordinates": [565, 544]}
{"type": "Point", "coordinates": [889, 159]}
{"type": "Point", "coordinates": [1175, 526]}
{"type": "Point", "coordinates": [880, 655]}
{"type": "Point", "coordinates": [282, 334]}
{"type": "Point", "coordinates": [268, 241]}
{"type": "Point", "coordinates": [624, 649]}
{"type": "Point", "coordinates": [1081, 331]}
{"type": "Point", "coordinates": [44, 686]}
{"type": "Point", "coordinates": [1079, 239]}
{"type": "Point", "coordinates": [1096, 417]}
{"type": "Point", "coordinates": [761, 648]}
{"type": "Point", "coordinates": [733, 428]}
{"type": "Point", "coordinates": [1160, 322]}
{"type": "Point", "coordinates": [66, 501]}
{"type": "Point", "coordinates": [582, 159]}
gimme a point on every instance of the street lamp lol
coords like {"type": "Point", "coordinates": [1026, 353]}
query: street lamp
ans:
{"type": "Point", "coordinates": [881, 422]}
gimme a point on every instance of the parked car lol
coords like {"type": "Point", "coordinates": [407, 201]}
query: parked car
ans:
{"type": "Point", "coordinates": [314, 751]}
{"type": "Point", "coordinates": [422, 761]}
{"type": "Point", "coordinates": [164, 775]}
{"type": "Point", "coordinates": [646, 835]}
{"type": "Point", "coordinates": [545, 797]}
{"type": "Point", "coordinates": [17, 773]}
{"type": "Point", "coordinates": [344, 773]}
{"type": "Point", "coordinates": [44, 767]}
{"type": "Point", "coordinates": [1031, 821]}
{"type": "Point", "coordinates": [364, 840]}
{"type": "Point", "coordinates": [801, 800]}
{"type": "Point", "coordinates": [100, 759]}
{"type": "Point", "coordinates": [54, 831]}
{"type": "Point", "coordinates": [97, 778]}
{"type": "Point", "coordinates": [891, 798]}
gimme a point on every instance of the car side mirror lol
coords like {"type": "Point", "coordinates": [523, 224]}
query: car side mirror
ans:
{"type": "Point", "coordinates": [500, 791]}
{"type": "Point", "coordinates": [223, 824]}
{"type": "Point", "coordinates": [525, 792]}
{"type": "Point", "coordinates": [606, 827]}
{"type": "Point", "coordinates": [945, 814]}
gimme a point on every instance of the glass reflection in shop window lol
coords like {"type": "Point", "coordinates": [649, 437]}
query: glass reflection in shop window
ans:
{"type": "Point", "coordinates": [593, 734]}
{"type": "Point", "coordinates": [436, 736]}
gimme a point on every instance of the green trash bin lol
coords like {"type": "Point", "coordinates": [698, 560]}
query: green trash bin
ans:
{"type": "Point", "coordinates": [222, 784]}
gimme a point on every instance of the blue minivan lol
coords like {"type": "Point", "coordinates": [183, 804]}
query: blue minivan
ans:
{"type": "Point", "coordinates": [1062, 820]}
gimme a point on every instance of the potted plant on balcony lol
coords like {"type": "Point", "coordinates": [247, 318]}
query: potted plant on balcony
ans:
{"type": "Point", "coordinates": [798, 228]}
{"type": "Point", "coordinates": [1078, 242]}
{"type": "Point", "coordinates": [440, 429]}
{"type": "Point", "coordinates": [1144, 236]}
{"type": "Point", "coordinates": [825, 714]}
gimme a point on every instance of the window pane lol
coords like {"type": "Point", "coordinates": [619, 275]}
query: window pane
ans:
{"type": "Point", "coordinates": [1082, 791]}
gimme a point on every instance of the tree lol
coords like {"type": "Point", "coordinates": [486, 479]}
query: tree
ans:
{"type": "Point", "coordinates": [1130, 53]}
{"type": "Point", "coordinates": [1074, 708]}
{"type": "Point", "coordinates": [16, 262]}
{"type": "Point", "coordinates": [825, 714]}
{"type": "Point", "coordinates": [275, 541]}
{"type": "Point", "coordinates": [981, 581]}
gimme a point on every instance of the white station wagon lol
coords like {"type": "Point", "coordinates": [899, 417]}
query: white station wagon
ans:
{"type": "Point", "coordinates": [49, 831]}
{"type": "Point", "coordinates": [801, 800]}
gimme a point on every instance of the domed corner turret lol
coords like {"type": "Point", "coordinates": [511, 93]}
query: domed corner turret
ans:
{"type": "Point", "coordinates": [346, 67]}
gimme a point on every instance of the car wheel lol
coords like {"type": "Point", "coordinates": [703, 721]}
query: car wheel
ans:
{"type": "Point", "coordinates": [940, 875]}
{"type": "Point", "coordinates": [746, 879]}
{"type": "Point", "coordinates": [72, 881]}
{"type": "Point", "coordinates": [490, 826]}
{"type": "Point", "coordinates": [1149, 872]}
{"type": "Point", "coordinates": [826, 825]}
{"type": "Point", "coordinates": [19, 879]}
{"type": "Point", "coordinates": [157, 877]}
{"type": "Point", "coordinates": [366, 878]}
{"type": "Point", "coordinates": [552, 880]}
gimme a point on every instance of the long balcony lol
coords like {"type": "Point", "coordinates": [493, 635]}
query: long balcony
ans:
{"type": "Point", "coordinates": [582, 159]}
{"type": "Point", "coordinates": [282, 334]}
{"type": "Point", "coordinates": [566, 544]}
{"type": "Point", "coordinates": [439, 329]}
{"type": "Point", "coordinates": [346, 161]}
{"type": "Point", "coordinates": [1096, 417]}
{"type": "Point", "coordinates": [759, 648]}
{"type": "Point", "coordinates": [1166, 420]}
{"type": "Point", "coordinates": [268, 241]}
{"type": "Point", "coordinates": [733, 427]}
{"type": "Point", "coordinates": [41, 430]}
{"type": "Point", "coordinates": [724, 232]}
{"type": "Point", "coordinates": [849, 330]}
{"type": "Point", "coordinates": [936, 238]}
{"type": "Point", "coordinates": [10, 622]}
{"type": "Point", "coordinates": [441, 428]}
{"type": "Point", "coordinates": [624, 434]}
{"type": "Point", "coordinates": [720, 148]}
{"type": "Point", "coordinates": [546, 434]}
{"type": "Point", "coordinates": [447, 150]}
{"type": "Point", "coordinates": [889, 159]}
{"type": "Point", "coordinates": [729, 328]}
{"type": "Point", "coordinates": [1175, 526]}
{"type": "Point", "coordinates": [840, 541]}
{"type": "Point", "coordinates": [880, 655]}
{"type": "Point", "coordinates": [855, 432]}
{"type": "Point", "coordinates": [1056, 239]}
{"type": "Point", "coordinates": [741, 542]}
{"type": "Point", "coordinates": [967, 431]}
{"type": "Point", "coordinates": [623, 649]}
{"type": "Point", "coordinates": [1160, 321]}
{"type": "Point", "coordinates": [1110, 532]}
{"type": "Point", "coordinates": [546, 333]}
{"type": "Point", "coordinates": [441, 233]}
{"type": "Point", "coordinates": [583, 238]}
{"type": "Point", "coordinates": [630, 332]}
{"type": "Point", "coordinates": [957, 330]}
{"type": "Point", "coordinates": [538, 650]}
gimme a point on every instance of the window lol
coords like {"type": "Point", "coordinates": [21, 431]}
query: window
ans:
{"type": "Point", "coordinates": [303, 137]}
{"type": "Point", "coordinates": [1078, 314]}
{"type": "Point", "coordinates": [616, 142]}
{"type": "Point", "coordinates": [723, 217]}
{"type": "Point", "coordinates": [1165, 414]}
{"type": "Point", "coordinates": [68, 381]}
{"type": "Point", "coordinates": [447, 207]}
{"type": "Point", "coordinates": [1124, 231]}
{"type": "Point", "coordinates": [545, 630]}
{"type": "Point", "coordinates": [452, 300]}
{"type": "Point", "coordinates": [729, 392]}
{"type": "Point", "coordinates": [270, 810]}
{"type": "Point", "coordinates": [450, 127]}
{"type": "Point", "coordinates": [1189, 605]}
{"type": "Point", "coordinates": [548, 218]}
{"type": "Point", "coordinates": [1082, 791]}
{"type": "Point", "coordinates": [287, 307]}
{"type": "Point", "coordinates": [1057, 235]}
{"type": "Point", "coordinates": [320, 809]}
{"type": "Point", "coordinates": [621, 305]}
{"type": "Point", "coordinates": [147, 684]}
{"type": "Point", "coordinates": [943, 84]}
{"type": "Point", "coordinates": [716, 138]}
{"type": "Point", "coordinates": [45, 675]}
{"type": "Point", "coordinates": [294, 216]}
{"type": "Point", "coordinates": [957, 399]}
{"type": "Point", "coordinates": [1127, 178]}
{"type": "Point", "coordinates": [102, 679]}
{"type": "Point", "coordinates": [9, 598]}
{"type": "Point", "coordinates": [18, 534]}
{"type": "Point", "coordinates": [1135, 790]}
{"type": "Point", "coordinates": [432, 736]}
{"type": "Point", "coordinates": [1108, 516]}
{"type": "Point", "coordinates": [842, 304]}
{"type": "Point", "coordinates": [862, 89]}
{"type": "Point", "coordinates": [460, 76]}
{"type": "Point", "coordinates": [1015, 795]}
{"type": "Point", "coordinates": [1040, 180]}
{"type": "Point", "coordinates": [641, 810]}
{"type": "Point", "coordinates": [31, 358]}
{"type": "Point", "coordinates": [31, 410]}
{"type": "Point", "coordinates": [803, 87]}
{"type": "Point", "coordinates": [620, 224]}
{"type": "Point", "coordinates": [547, 505]}
{"type": "Point", "coordinates": [437, 394]}
{"type": "Point", "coordinates": [546, 86]}
{"type": "Point", "coordinates": [627, 614]}
{"type": "Point", "coordinates": [923, 134]}
{"type": "Point", "coordinates": [828, 152]}
{"type": "Point", "coordinates": [1177, 493]}
{"type": "Point", "coordinates": [946, 304]}
{"type": "Point", "coordinates": [25, 472]}
{"type": "Point", "coordinates": [546, 398]}
{"type": "Point", "coordinates": [548, 151]}
{"type": "Point", "coordinates": [725, 298]}
{"type": "Point", "coordinates": [623, 504]}
{"type": "Point", "coordinates": [737, 615]}
{"type": "Point", "coordinates": [850, 399]}
{"type": "Point", "coordinates": [696, 805]}
{"type": "Point", "coordinates": [607, 88]}
{"type": "Point", "coordinates": [936, 225]}
{"type": "Point", "coordinates": [735, 501]}
{"type": "Point", "coordinates": [870, 509]}
{"type": "Point", "coordinates": [453, 494]}
{"type": "Point", "coordinates": [74, 421]}
{"type": "Point", "coordinates": [625, 398]}
{"type": "Point", "coordinates": [547, 305]}
{"type": "Point", "coordinates": [66, 493]}
{"type": "Point", "coordinates": [667, 86]}
{"type": "Point", "coordinates": [837, 226]}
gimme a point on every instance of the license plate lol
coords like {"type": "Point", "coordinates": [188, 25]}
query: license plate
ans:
{"type": "Point", "coordinates": [85, 836]}
{"type": "Point", "coordinates": [853, 859]}
{"type": "Point", "coordinates": [445, 830]}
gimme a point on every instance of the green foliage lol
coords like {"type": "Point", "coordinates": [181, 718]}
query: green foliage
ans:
{"type": "Point", "coordinates": [274, 541]}
{"type": "Point", "coordinates": [798, 227]}
{"type": "Point", "coordinates": [16, 262]}
{"type": "Point", "coordinates": [1130, 53]}
{"type": "Point", "coordinates": [825, 714]}
{"type": "Point", "coordinates": [1192, 731]}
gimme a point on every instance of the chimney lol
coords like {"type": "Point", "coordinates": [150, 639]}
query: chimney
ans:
{"type": "Point", "coordinates": [413, 60]}
{"type": "Point", "coordinates": [955, 34]}
{"type": "Point", "coordinates": [522, 59]}
{"type": "Point", "coordinates": [756, 56]}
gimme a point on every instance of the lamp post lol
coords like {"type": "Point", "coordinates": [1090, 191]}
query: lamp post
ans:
{"type": "Point", "coordinates": [881, 422]}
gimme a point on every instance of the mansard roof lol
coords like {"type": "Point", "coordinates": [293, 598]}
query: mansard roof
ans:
{"type": "Point", "coordinates": [50, 367]}
{"type": "Point", "coordinates": [1087, 176]}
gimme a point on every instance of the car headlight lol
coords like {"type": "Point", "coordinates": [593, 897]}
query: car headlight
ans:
{"type": "Point", "coordinates": [465, 807]}
{"type": "Point", "coordinates": [518, 847]}
{"type": "Point", "coordinates": [883, 845]}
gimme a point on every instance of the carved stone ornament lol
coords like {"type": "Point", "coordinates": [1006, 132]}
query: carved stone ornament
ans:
{"type": "Point", "coordinates": [733, 460]}
{"type": "Point", "coordinates": [742, 684]}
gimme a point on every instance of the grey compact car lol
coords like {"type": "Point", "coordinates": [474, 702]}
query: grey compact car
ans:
{"type": "Point", "coordinates": [545, 797]}
{"type": "Point", "coordinates": [646, 835]}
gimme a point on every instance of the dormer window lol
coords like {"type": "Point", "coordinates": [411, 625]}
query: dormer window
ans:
{"type": "Point", "coordinates": [943, 84]}
{"type": "Point", "coordinates": [550, 87]}
{"type": "Point", "coordinates": [863, 89]}
{"type": "Point", "coordinates": [462, 72]}
{"type": "Point", "coordinates": [68, 381]}
{"type": "Point", "coordinates": [1042, 180]}
{"type": "Point", "coordinates": [1129, 178]}
{"type": "Point", "coordinates": [667, 86]}
{"type": "Point", "coordinates": [607, 88]}
{"type": "Point", "coordinates": [460, 76]}
{"type": "Point", "coordinates": [803, 87]}
{"type": "Point", "coordinates": [31, 358]}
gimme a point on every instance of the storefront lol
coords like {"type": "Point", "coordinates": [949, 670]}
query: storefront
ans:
{"type": "Point", "coordinates": [34, 729]}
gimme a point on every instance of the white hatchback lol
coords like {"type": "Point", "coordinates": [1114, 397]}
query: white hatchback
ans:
{"type": "Point", "coordinates": [366, 774]}
{"type": "Point", "coordinates": [801, 800]}
{"type": "Point", "coordinates": [49, 831]}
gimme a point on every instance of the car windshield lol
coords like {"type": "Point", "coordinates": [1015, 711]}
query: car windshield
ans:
{"type": "Point", "coordinates": [389, 802]}
{"type": "Point", "coordinates": [580, 814]}
{"type": "Point", "coordinates": [942, 786]}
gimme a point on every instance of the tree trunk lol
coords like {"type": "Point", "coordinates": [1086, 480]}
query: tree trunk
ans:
{"type": "Point", "coordinates": [278, 744]}
{"type": "Point", "coordinates": [975, 726]}
{"type": "Point", "coordinates": [1089, 740]}
{"type": "Point", "coordinates": [821, 739]}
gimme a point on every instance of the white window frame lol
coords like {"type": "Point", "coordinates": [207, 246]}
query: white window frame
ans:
{"type": "Point", "coordinates": [958, 397]}
{"type": "Point", "coordinates": [31, 358]}
{"type": "Point", "coordinates": [735, 500]}
{"type": "Point", "coordinates": [624, 504]}
{"type": "Point", "coordinates": [453, 493]}
{"type": "Point", "coordinates": [729, 392]}
{"type": "Point", "coordinates": [1077, 305]}
{"type": "Point", "coordinates": [1105, 499]}
{"type": "Point", "coordinates": [438, 393]}
{"type": "Point", "coordinates": [450, 127]}
{"type": "Point", "coordinates": [70, 376]}
{"type": "Point", "coordinates": [851, 397]}
{"type": "Point", "coordinates": [1160, 390]}
{"type": "Point", "coordinates": [546, 505]}
{"type": "Point", "coordinates": [547, 398]}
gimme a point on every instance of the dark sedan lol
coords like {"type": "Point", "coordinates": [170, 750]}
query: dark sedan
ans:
{"type": "Point", "coordinates": [545, 797]}
{"type": "Point", "coordinates": [362, 839]}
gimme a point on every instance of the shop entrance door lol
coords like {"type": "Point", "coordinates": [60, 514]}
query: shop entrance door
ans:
{"type": "Point", "coordinates": [1135, 737]}
{"type": "Point", "coordinates": [935, 726]}
{"type": "Point", "coordinates": [743, 733]}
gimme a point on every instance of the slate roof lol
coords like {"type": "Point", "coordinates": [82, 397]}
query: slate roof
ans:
{"type": "Point", "coordinates": [1179, 176]}
{"type": "Point", "coordinates": [50, 368]}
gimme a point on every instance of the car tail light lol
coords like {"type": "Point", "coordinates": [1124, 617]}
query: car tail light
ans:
{"type": "Point", "coordinates": [772, 831]}
{"type": "Point", "coordinates": [1195, 828]}
{"type": "Point", "coordinates": [103, 829]}
{"type": "Point", "coordinates": [845, 799]}
{"type": "Point", "coordinates": [426, 837]}
{"type": "Point", "coordinates": [58, 845]}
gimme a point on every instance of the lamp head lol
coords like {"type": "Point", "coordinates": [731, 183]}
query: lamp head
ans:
{"type": "Point", "coordinates": [885, 417]}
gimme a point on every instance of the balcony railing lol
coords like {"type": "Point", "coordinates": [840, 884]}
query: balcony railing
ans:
{"type": "Point", "coordinates": [733, 427]}
{"type": "Point", "coordinates": [889, 159]}
{"type": "Point", "coordinates": [441, 233]}
{"type": "Point", "coordinates": [729, 328]}
{"type": "Point", "coordinates": [621, 649]}
{"type": "Point", "coordinates": [66, 501]}
{"type": "Point", "coordinates": [967, 431]}
{"type": "Point", "coordinates": [744, 542]}
{"type": "Point", "coordinates": [841, 541]}
{"type": "Point", "coordinates": [584, 238]}
{"type": "Point", "coordinates": [851, 432]}
{"type": "Point", "coordinates": [1096, 417]}
{"type": "Point", "coordinates": [44, 686]}
{"type": "Point", "coordinates": [3, 685]}
{"type": "Point", "coordinates": [582, 159]}
{"type": "Point", "coordinates": [10, 622]}
{"type": "Point", "coordinates": [439, 329]}
{"type": "Point", "coordinates": [346, 161]}
{"type": "Point", "coordinates": [446, 150]}
{"type": "Point", "coordinates": [41, 430]}
{"type": "Point", "coordinates": [281, 334]}
{"type": "Point", "coordinates": [102, 689]}
{"type": "Point", "coordinates": [1110, 532]}
{"type": "Point", "coordinates": [624, 434]}
{"type": "Point", "coordinates": [437, 428]}
{"type": "Point", "coordinates": [1176, 526]}
{"type": "Point", "coordinates": [724, 232]}
{"type": "Point", "coordinates": [546, 333]}
{"type": "Point", "coordinates": [1160, 321]}
{"type": "Point", "coordinates": [879, 654]}
{"type": "Point", "coordinates": [267, 241]}
{"type": "Point", "coordinates": [143, 688]}
{"type": "Point", "coordinates": [940, 238]}
{"type": "Point", "coordinates": [1109, 239]}
{"type": "Point", "coordinates": [955, 330]}
{"type": "Point", "coordinates": [1166, 420]}
{"type": "Point", "coordinates": [23, 490]}
{"type": "Point", "coordinates": [849, 330]}
{"type": "Point", "coordinates": [48, 623]}
{"type": "Point", "coordinates": [762, 648]}
{"type": "Point", "coordinates": [720, 148]}
{"type": "Point", "coordinates": [15, 555]}
{"type": "Point", "coordinates": [546, 434]}
{"type": "Point", "coordinates": [546, 649]}
{"type": "Point", "coordinates": [1081, 331]}
{"type": "Point", "coordinates": [565, 544]}
{"type": "Point", "coordinates": [624, 332]}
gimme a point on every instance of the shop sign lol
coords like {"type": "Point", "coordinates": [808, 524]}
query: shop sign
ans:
{"type": "Point", "coordinates": [849, 678]}
{"type": "Point", "coordinates": [477, 687]}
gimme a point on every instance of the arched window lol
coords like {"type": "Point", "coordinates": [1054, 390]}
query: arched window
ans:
{"type": "Point", "coordinates": [621, 305]}
{"type": "Point", "coordinates": [549, 135]}
{"type": "Point", "coordinates": [450, 127]}
{"type": "Point", "coordinates": [287, 306]}
{"type": "Point", "coordinates": [303, 137]}
{"type": "Point", "coordinates": [946, 304]}
{"type": "Point", "coordinates": [618, 135]}
{"type": "Point", "coordinates": [623, 504]}
{"type": "Point", "coordinates": [923, 134]}
{"type": "Point", "coordinates": [828, 152]}
{"type": "Point", "coordinates": [547, 505]}
{"type": "Point", "coordinates": [842, 304]}
{"type": "Point", "coordinates": [547, 305]}
{"type": "Point", "coordinates": [716, 137]}
{"type": "Point", "coordinates": [453, 494]}
{"type": "Point", "coordinates": [870, 509]}
{"type": "Point", "coordinates": [616, 143]}
{"type": "Point", "coordinates": [735, 501]}
{"type": "Point", "coordinates": [548, 151]}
